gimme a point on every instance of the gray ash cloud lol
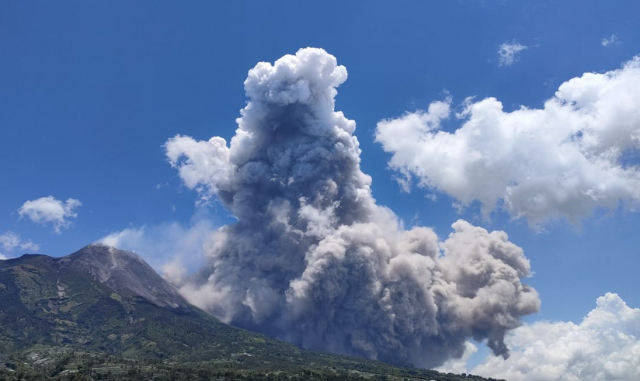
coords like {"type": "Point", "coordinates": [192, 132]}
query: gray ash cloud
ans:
{"type": "Point", "coordinates": [313, 259]}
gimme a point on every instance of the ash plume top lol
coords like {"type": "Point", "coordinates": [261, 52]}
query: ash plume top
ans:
{"type": "Point", "coordinates": [313, 259]}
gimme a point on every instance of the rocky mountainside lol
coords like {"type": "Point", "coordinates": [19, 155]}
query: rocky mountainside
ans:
{"type": "Point", "coordinates": [124, 272]}
{"type": "Point", "coordinates": [64, 317]}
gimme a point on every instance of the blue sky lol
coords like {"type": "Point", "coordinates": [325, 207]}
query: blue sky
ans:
{"type": "Point", "coordinates": [91, 91]}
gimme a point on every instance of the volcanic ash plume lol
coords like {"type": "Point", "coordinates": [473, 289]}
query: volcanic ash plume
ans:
{"type": "Point", "coordinates": [313, 259]}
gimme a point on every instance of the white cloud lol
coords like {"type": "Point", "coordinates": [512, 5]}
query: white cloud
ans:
{"type": "Point", "coordinates": [50, 210]}
{"type": "Point", "coordinates": [563, 160]}
{"type": "Point", "coordinates": [28, 245]}
{"type": "Point", "coordinates": [458, 366]}
{"type": "Point", "coordinates": [508, 53]}
{"type": "Point", "coordinates": [604, 346]}
{"type": "Point", "coordinates": [199, 162]}
{"type": "Point", "coordinates": [9, 241]}
{"type": "Point", "coordinates": [609, 40]}
{"type": "Point", "coordinates": [168, 247]}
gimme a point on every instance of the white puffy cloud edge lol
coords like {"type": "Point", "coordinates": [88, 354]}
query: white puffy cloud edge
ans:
{"type": "Point", "coordinates": [604, 346]}
{"type": "Point", "coordinates": [573, 156]}
{"type": "Point", "coordinates": [50, 210]}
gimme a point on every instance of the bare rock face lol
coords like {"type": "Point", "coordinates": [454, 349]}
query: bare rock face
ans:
{"type": "Point", "coordinates": [125, 272]}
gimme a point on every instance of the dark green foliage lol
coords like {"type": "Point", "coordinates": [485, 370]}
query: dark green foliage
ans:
{"type": "Point", "coordinates": [91, 366]}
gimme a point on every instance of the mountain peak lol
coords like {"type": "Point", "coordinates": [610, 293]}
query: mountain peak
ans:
{"type": "Point", "coordinates": [106, 258]}
{"type": "Point", "coordinates": [125, 272]}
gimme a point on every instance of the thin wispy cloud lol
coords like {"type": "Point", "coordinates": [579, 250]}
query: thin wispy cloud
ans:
{"type": "Point", "coordinates": [508, 53]}
{"type": "Point", "coordinates": [609, 40]}
{"type": "Point", "coordinates": [10, 242]}
{"type": "Point", "coordinates": [167, 246]}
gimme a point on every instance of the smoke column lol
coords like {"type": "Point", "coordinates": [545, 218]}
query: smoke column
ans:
{"type": "Point", "coordinates": [312, 259]}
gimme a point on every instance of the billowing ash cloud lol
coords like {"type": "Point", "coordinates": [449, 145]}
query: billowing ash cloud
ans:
{"type": "Point", "coordinates": [575, 155]}
{"type": "Point", "coordinates": [313, 259]}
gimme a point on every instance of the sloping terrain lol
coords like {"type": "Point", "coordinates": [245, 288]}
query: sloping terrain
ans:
{"type": "Point", "coordinates": [102, 313]}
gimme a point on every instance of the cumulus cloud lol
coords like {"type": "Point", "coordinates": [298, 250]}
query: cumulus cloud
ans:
{"type": "Point", "coordinates": [609, 40]}
{"type": "Point", "coordinates": [171, 248]}
{"type": "Point", "coordinates": [313, 259]}
{"type": "Point", "coordinates": [11, 241]}
{"type": "Point", "coordinates": [508, 53]}
{"type": "Point", "coordinates": [604, 346]}
{"type": "Point", "coordinates": [49, 210]}
{"type": "Point", "coordinates": [207, 163]}
{"type": "Point", "coordinates": [566, 159]}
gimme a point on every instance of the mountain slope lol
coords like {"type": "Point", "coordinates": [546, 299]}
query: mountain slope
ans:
{"type": "Point", "coordinates": [101, 300]}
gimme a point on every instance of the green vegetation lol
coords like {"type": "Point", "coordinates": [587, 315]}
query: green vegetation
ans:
{"type": "Point", "coordinates": [67, 326]}
{"type": "Point", "coordinates": [45, 363]}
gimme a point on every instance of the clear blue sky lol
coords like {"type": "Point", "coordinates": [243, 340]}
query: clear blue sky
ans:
{"type": "Point", "coordinates": [90, 92]}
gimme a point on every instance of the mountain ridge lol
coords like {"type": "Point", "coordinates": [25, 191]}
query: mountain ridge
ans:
{"type": "Point", "coordinates": [101, 301]}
